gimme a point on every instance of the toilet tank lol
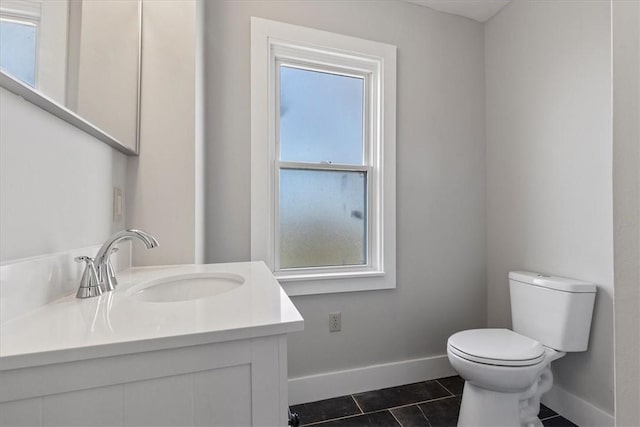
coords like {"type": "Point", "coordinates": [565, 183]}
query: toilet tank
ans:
{"type": "Point", "coordinates": [555, 311]}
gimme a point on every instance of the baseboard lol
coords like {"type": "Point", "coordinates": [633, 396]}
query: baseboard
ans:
{"type": "Point", "coordinates": [576, 409]}
{"type": "Point", "coordinates": [373, 377]}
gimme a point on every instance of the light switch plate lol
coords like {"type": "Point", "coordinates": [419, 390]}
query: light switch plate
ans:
{"type": "Point", "coordinates": [117, 204]}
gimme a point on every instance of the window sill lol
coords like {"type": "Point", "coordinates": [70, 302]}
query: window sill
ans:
{"type": "Point", "coordinates": [296, 285]}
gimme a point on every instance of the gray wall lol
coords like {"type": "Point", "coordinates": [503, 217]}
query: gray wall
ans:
{"type": "Point", "coordinates": [56, 183]}
{"type": "Point", "coordinates": [162, 185]}
{"type": "Point", "coordinates": [549, 157]}
{"type": "Point", "coordinates": [626, 207]}
{"type": "Point", "coordinates": [440, 191]}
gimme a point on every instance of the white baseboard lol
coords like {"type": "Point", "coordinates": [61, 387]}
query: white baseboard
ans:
{"type": "Point", "coordinates": [577, 409]}
{"type": "Point", "coordinates": [340, 383]}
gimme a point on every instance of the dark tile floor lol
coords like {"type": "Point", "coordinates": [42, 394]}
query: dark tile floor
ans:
{"type": "Point", "coordinates": [428, 403]}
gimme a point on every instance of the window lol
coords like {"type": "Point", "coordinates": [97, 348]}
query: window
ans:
{"type": "Point", "coordinates": [323, 159]}
{"type": "Point", "coordinates": [19, 21]}
{"type": "Point", "coordinates": [33, 44]}
{"type": "Point", "coordinates": [18, 50]}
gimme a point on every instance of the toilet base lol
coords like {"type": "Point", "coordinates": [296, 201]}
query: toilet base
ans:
{"type": "Point", "coordinates": [486, 408]}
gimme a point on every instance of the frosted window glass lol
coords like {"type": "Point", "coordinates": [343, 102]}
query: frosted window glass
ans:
{"type": "Point", "coordinates": [322, 218]}
{"type": "Point", "coordinates": [18, 51]}
{"type": "Point", "coordinates": [321, 117]}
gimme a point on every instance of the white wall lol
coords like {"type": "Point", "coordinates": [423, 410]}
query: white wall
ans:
{"type": "Point", "coordinates": [440, 179]}
{"type": "Point", "coordinates": [56, 183]}
{"type": "Point", "coordinates": [626, 207]}
{"type": "Point", "coordinates": [161, 183]}
{"type": "Point", "coordinates": [549, 166]}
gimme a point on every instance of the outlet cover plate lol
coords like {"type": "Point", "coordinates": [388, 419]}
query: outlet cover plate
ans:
{"type": "Point", "coordinates": [335, 322]}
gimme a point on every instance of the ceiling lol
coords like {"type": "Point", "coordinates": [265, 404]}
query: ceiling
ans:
{"type": "Point", "coordinates": [480, 10]}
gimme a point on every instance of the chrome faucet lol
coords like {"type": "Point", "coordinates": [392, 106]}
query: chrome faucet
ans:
{"type": "Point", "coordinates": [99, 275]}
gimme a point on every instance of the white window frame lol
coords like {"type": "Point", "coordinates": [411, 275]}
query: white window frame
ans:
{"type": "Point", "coordinates": [274, 44]}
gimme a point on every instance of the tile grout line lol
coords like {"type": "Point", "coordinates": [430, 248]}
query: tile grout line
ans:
{"type": "Point", "coordinates": [395, 418]}
{"type": "Point", "coordinates": [424, 415]}
{"type": "Point", "coordinates": [440, 384]}
{"type": "Point", "coordinates": [418, 403]}
{"type": "Point", "coordinates": [357, 404]}
{"type": "Point", "coordinates": [341, 418]}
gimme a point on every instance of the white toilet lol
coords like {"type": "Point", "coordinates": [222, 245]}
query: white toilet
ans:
{"type": "Point", "coordinates": [506, 372]}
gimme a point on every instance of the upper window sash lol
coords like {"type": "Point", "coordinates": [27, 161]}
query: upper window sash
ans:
{"type": "Point", "coordinates": [338, 63]}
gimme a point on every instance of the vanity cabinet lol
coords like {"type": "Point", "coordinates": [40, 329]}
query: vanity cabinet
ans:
{"type": "Point", "coordinates": [236, 383]}
{"type": "Point", "coordinates": [121, 360]}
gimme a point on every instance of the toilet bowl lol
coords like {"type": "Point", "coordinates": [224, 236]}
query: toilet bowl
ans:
{"type": "Point", "coordinates": [505, 376]}
{"type": "Point", "coordinates": [506, 372]}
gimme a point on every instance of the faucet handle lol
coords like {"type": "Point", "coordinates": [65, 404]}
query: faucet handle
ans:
{"type": "Point", "coordinates": [89, 283]}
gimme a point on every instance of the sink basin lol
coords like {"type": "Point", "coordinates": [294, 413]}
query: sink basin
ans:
{"type": "Point", "coordinates": [185, 287]}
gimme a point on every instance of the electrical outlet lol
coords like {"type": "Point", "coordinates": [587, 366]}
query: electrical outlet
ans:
{"type": "Point", "coordinates": [335, 322]}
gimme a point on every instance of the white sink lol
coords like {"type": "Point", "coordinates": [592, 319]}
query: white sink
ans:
{"type": "Point", "coordinates": [185, 287]}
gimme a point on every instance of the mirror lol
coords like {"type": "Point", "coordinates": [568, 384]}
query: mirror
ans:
{"type": "Point", "coordinates": [79, 59]}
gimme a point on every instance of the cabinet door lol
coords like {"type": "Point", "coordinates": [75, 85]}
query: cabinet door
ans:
{"type": "Point", "coordinates": [223, 397]}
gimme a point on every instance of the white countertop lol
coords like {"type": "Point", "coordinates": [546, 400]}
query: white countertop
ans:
{"type": "Point", "coordinates": [113, 324]}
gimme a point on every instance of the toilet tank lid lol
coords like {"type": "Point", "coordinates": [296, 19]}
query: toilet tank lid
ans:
{"type": "Point", "coordinates": [553, 282]}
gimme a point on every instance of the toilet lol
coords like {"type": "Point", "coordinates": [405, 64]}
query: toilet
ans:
{"type": "Point", "coordinates": [507, 371]}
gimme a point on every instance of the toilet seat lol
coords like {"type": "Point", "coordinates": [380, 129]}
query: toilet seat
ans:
{"type": "Point", "coordinates": [498, 347]}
